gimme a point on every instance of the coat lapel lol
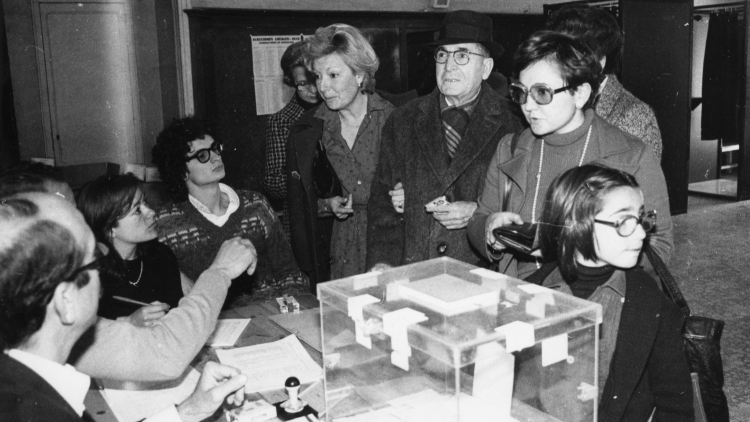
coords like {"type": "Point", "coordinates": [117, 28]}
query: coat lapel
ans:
{"type": "Point", "coordinates": [485, 121]}
{"type": "Point", "coordinates": [430, 137]}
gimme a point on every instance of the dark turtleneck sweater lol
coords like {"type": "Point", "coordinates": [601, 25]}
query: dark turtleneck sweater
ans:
{"type": "Point", "coordinates": [589, 279]}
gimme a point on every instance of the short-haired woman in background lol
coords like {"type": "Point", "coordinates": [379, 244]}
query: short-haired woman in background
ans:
{"type": "Point", "coordinates": [558, 78]}
{"type": "Point", "coordinates": [349, 126]}
{"type": "Point", "coordinates": [278, 124]}
{"type": "Point", "coordinates": [592, 229]}
{"type": "Point", "coordinates": [138, 267]}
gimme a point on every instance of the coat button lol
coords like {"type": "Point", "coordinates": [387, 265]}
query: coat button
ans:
{"type": "Point", "coordinates": [442, 248]}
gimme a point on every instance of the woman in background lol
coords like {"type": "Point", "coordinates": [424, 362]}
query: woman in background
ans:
{"type": "Point", "coordinates": [139, 267]}
{"type": "Point", "coordinates": [592, 229]}
{"type": "Point", "coordinates": [344, 64]}
{"type": "Point", "coordinates": [277, 126]}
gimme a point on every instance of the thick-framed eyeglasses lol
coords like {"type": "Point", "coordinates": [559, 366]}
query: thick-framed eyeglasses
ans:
{"type": "Point", "coordinates": [461, 57]}
{"type": "Point", "coordinates": [304, 85]}
{"type": "Point", "coordinates": [541, 93]}
{"type": "Point", "coordinates": [203, 155]}
{"type": "Point", "coordinates": [101, 253]}
{"type": "Point", "coordinates": [626, 226]}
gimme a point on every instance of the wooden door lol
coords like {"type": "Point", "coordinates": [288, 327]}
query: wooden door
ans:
{"type": "Point", "coordinates": [656, 68]}
{"type": "Point", "coordinates": [88, 83]}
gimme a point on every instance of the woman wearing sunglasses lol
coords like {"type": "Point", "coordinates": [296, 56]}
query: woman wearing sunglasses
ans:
{"type": "Point", "coordinates": [557, 78]}
{"type": "Point", "coordinates": [206, 212]}
{"type": "Point", "coordinates": [593, 227]}
{"type": "Point", "coordinates": [137, 267]}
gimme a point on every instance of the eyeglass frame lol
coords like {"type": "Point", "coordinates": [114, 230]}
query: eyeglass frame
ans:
{"type": "Point", "coordinates": [217, 148]}
{"type": "Point", "coordinates": [453, 54]}
{"type": "Point", "coordinates": [527, 91]}
{"type": "Point", "coordinates": [96, 264]}
{"type": "Point", "coordinates": [647, 216]}
{"type": "Point", "coordinates": [304, 85]}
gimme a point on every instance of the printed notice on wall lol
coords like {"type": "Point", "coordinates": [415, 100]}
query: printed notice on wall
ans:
{"type": "Point", "coordinates": [270, 92]}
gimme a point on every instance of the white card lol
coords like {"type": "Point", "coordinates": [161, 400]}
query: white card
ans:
{"type": "Point", "coordinates": [518, 335]}
{"type": "Point", "coordinates": [554, 349]}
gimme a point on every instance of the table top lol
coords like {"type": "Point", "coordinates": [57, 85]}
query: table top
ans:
{"type": "Point", "coordinates": [260, 330]}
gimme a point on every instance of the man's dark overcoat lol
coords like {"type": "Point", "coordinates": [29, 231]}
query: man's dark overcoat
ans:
{"type": "Point", "coordinates": [413, 152]}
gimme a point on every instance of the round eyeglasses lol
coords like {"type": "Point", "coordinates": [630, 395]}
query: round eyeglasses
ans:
{"type": "Point", "coordinates": [461, 57]}
{"type": "Point", "coordinates": [626, 226]}
{"type": "Point", "coordinates": [541, 93]}
{"type": "Point", "coordinates": [203, 155]}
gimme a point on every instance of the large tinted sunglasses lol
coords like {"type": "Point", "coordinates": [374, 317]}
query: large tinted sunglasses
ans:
{"type": "Point", "coordinates": [541, 93]}
{"type": "Point", "coordinates": [626, 226]}
{"type": "Point", "coordinates": [203, 155]}
{"type": "Point", "coordinates": [101, 253]}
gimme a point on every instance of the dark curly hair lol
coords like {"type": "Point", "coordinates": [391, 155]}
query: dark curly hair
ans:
{"type": "Point", "coordinates": [572, 202]}
{"type": "Point", "coordinates": [36, 255]}
{"type": "Point", "coordinates": [575, 60]}
{"type": "Point", "coordinates": [596, 27]}
{"type": "Point", "coordinates": [171, 149]}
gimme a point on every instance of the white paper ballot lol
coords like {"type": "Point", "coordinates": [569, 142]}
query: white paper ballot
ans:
{"type": "Point", "coordinates": [227, 332]}
{"type": "Point", "coordinates": [144, 400]}
{"type": "Point", "coordinates": [267, 366]}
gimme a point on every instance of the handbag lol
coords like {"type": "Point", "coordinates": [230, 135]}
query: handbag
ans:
{"type": "Point", "coordinates": [325, 181]}
{"type": "Point", "coordinates": [701, 337]}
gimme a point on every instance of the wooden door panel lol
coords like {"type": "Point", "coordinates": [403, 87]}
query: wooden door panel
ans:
{"type": "Point", "coordinates": [91, 89]}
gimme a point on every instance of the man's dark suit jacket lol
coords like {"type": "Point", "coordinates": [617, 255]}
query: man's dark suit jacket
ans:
{"type": "Point", "coordinates": [27, 397]}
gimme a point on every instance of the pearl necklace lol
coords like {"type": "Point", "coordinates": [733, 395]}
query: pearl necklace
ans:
{"type": "Point", "coordinates": [139, 276]}
{"type": "Point", "coordinates": [539, 172]}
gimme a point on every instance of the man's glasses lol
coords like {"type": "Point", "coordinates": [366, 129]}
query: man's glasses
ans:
{"type": "Point", "coordinates": [461, 57]}
{"type": "Point", "coordinates": [541, 93]}
{"type": "Point", "coordinates": [304, 85]}
{"type": "Point", "coordinates": [101, 253]}
{"type": "Point", "coordinates": [203, 155]}
{"type": "Point", "coordinates": [626, 226]}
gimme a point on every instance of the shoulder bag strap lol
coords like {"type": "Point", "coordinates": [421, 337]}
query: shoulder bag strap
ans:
{"type": "Point", "coordinates": [670, 285]}
{"type": "Point", "coordinates": [506, 191]}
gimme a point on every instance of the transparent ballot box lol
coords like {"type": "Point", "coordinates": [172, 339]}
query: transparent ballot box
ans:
{"type": "Point", "coordinates": [442, 340]}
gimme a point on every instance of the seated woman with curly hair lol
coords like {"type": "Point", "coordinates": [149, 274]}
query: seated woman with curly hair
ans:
{"type": "Point", "coordinates": [206, 212]}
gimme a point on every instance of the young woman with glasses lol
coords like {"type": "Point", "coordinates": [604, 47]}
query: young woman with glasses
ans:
{"type": "Point", "coordinates": [207, 212]}
{"type": "Point", "coordinates": [137, 267]}
{"type": "Point", "coordinates": [592, 228]}
{"type": "Point", "coordinates": [557, 78]}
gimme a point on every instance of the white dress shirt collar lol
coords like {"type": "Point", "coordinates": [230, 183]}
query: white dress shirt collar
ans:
{"type": "Point", "coordinates": [219, 220]}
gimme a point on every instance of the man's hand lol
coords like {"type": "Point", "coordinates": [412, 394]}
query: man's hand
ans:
{"type": "Point", "coordinates": [340, 207]}
{"type": "Point", "coordinates": [145, 316]}
{"type": "Point", "coordinates": [235, 256]}
{"type": "Point", "coordinates": [455, 215]}
{"type": "Point", "coordinates": [499, 219]}
{"type": "Point", "coordinates": [217, 382]}
{"type": "Point", "coordinates": [397, 197]}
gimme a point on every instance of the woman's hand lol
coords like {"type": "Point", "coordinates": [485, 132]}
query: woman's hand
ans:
{"type": "Point", "coordinates": [499, 219]}
{"type": "Point", "coordinates": [145, 316]}
{"type": "Point", "coordinates": [340, 207]}
{"type": "Point", "coordinates": [397, 197]}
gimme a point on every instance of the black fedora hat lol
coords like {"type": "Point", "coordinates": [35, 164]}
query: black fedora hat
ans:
{"type": "Point", "coordinates": [465, 26]}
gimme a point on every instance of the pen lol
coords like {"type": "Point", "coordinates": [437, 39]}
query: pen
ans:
{"type": "Point", "coordinates": [131, 301]}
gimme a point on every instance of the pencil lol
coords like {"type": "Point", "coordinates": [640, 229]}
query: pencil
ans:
{"type": "Point", "coordinates": [131, 301]}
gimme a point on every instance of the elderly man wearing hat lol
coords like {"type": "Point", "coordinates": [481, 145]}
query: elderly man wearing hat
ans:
{"type": "Point", "coordinates": [435, 151]}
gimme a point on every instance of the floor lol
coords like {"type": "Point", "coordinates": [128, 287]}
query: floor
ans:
{"type": "Point", "coordinates": [710, 261]}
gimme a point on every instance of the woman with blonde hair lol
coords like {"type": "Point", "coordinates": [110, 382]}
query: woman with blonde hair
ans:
{"type": "Point", "coordinates": [348, 128]}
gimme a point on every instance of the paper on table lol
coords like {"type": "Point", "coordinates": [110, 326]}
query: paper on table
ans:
{"type": "Point", "coordinates": [134, 405]}
{"type": "Point", "coordinates": [227, 332]}
{"type": "Point", "coordinates": [268, 365]}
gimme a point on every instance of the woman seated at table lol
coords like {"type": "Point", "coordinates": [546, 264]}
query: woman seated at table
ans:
{"type": "Point", "coordinates": [593, 226]}
{"type": "Point", "coordinates": [139, 268]}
